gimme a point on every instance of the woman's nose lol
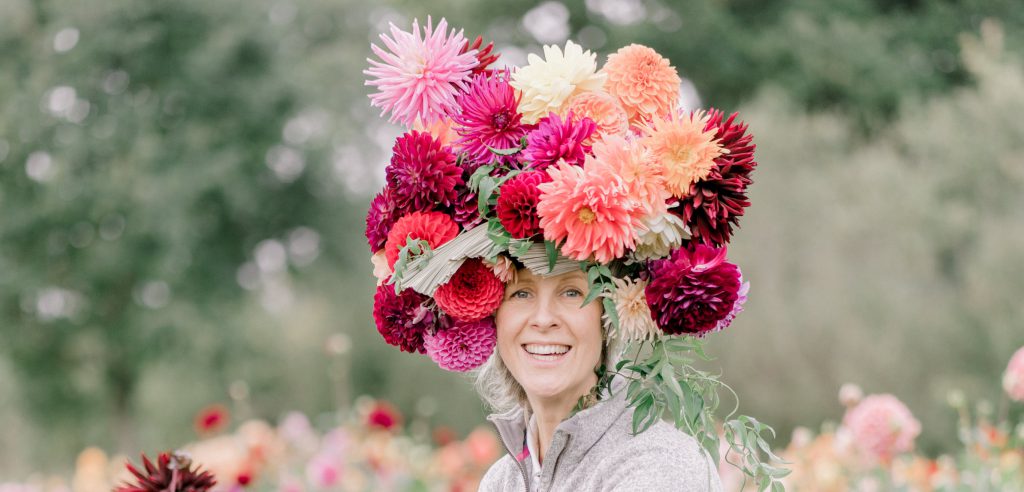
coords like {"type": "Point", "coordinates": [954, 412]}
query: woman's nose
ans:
{"type": "Point", "coordinates": [544, 315]}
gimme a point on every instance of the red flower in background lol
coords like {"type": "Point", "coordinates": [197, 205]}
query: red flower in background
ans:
{"type": "Point", "coordinates": [383, 416]}
{"type": "Point", "coordinates": [212, 419]}
{"type": "Point", "coordinates": [473, 293]}
{"type": "Point", "coordinates": [172, 472]}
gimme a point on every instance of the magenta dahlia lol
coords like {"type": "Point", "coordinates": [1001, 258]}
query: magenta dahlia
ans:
{"type": "Point", "coordinates": [693, 290]}
{"type": "Point", "coordinates": [402, 319]}
{"type": "Point", "coordinates": [489, 118]}
{"type": "Point", "coordinates": [463, 346]}
{"type": "Point", "coordinates": [555, 138]}
{"type": "Point", "coordinates": [379, 219]}
{"type": "Point", "coordinates": [474, 292]}
{"type": "Point", "coordinates": [715, 204]}
{"type": "Point", "coordinates": [517, 204]}
{"type": "Point", "coordinates": [422, 173]}
{"type": "Point", "coordinates": [466, 210]}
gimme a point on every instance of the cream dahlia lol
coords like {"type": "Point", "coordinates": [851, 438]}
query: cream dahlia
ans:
{"type": "Point", "coordinates": [635, 322]}
{"type": "Point", "coordinates": [545, 84]}
{"type": "Point", "coordinates": [662, 233]}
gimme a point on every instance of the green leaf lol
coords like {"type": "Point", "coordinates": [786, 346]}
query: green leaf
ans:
{"type": "Point", "coordinates": [611, 311]}
{"type": "Point", "coordinates": [480, 173]}
{"type": "Point", "coordinates": [504, 152]}
{"type": "Point", "coordinates": [552, 250]}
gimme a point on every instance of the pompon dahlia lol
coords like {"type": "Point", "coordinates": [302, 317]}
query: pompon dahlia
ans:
{"type": "Point", "coordinates": [693, 290]}
{"type": "Point", "coordinates": [172, 472]}
{"type": "Point", "coordinates": [474, 292]}
{"type": "Point", "coordinates": [881, 426]}
{"type": "Point", "coordinates": [463, 346]}
{"type": "Point", "coordinates": [422, 173]}
{"type": "Point", "coordinates": [419, 76]}
{"type": "Point", "coordinates": [484, 55]}
{"type": "Point", "coordinates": [643, 81]}
{"type": "Point", "coordinates": [590, 209]}
{"type": "Point", "coordinates": [546, 84]}
{"type": "Point", "coordinates": [402, 319]}
{"type": "Point", "coordinates": [556, 139]}
{"type": "Point", "coordinates": [379, 219]}
{"type": "Point", "coordinates": [635, 322]}
{"type": "Point", "coordinates": [603, 109]}
{"type": "Point", "coordinates": [435, 228]}
{"type": "Point", "coordinates": [714, 205]}
{"type": "Point", "coordinates": [641, 175]}
{"type": "Point", "coordinates": [517, 204]}
{"type": "Point", "coordinates": [489, 118]}
{"type": "Point", "coordinates": [684, 147]}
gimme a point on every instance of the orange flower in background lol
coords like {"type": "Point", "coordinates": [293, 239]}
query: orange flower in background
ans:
{"type": "Point", "coordinates": [212, 419]}
{"type": "Point", "coordinates": [603, 109]}
{"type": "Point", "coordinates": [643, 81]}
{"type": "Point", "coordinates": [684, 147]}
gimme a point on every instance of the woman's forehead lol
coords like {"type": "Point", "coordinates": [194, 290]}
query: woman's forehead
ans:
{"type": "Point", "coordinates": [525, 275]}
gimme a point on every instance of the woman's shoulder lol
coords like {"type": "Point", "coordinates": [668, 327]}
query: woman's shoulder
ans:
{"type": "Point", "coordinates": [680, 461]}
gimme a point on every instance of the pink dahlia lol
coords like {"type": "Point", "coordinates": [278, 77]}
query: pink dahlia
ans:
{"type": "Point", "coordinates": [714, 204]}
{"type": "Point", "coordinates": [556, 139]}
{"type": "Point", "coordinates": [489, 118]}
{"type": "Point", "coordinates": [435, 228]}
{"type": "Point", "coordinates": [693, 290]}
{"type": "Point", "coordinates": [422, 173]}
{"type": "Point", "coordinates": [643, 177]}
{"type": "Point", "coordinates": [379, 219]}
{"type": "Point", "coordinates": [474, 292]}
{"type": "Point", "coordinates": [590, 209]}
{"type": "Point", "coordinates": [1013, 378]}
{"type": "Point", "coordinates": [881, 426]}
{"type": "Point", "coordinates": [402, 319]}
{"type": "Point", "coordinates": [419, 76]}
{"type": "Point", "coordinates": [737, 307]}
{"type": "Point", "coordinates": [517, 204]}
{"type": "Point", "coordinates": [464, 346]}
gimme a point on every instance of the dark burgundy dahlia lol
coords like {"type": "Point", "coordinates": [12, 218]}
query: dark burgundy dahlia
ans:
{"type": "Point", "coordinates": [379, 220]}
{"type": "Point", "coordinates": [692, 290]}
{"type": "Point", "coordinates": [402, 319]}
{"type": "Point", "coordinates": [172, 472]}
{"type": "Point", "coordinates": [422, 174]}
{"type": "Point", "coordinates": [715, 204]}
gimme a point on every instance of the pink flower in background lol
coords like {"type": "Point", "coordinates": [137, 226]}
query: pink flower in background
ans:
{"type": "Point", "coordinates": [556, 139]}
{"type": "Point", "coordinates": [474, 292]}
{"type": "Point", "coordinates": [517, 204]}
{"type": "Point", "coordinates": [420, 75]}
{"type": "Point", "coordinates": [324, 470]}
{"type": "Point", "coordinates": [489, 118]}
{"type": "Point", "coordinates": [881, 426]}
{"type": "Point", "coordinates": [693, 290]}
{"type": "Point", "coordinates": [422, 174]}
{"type": "Point", "coordinates": [464, 346]}
{"type": "Point", "coordinates": [1013, 378]}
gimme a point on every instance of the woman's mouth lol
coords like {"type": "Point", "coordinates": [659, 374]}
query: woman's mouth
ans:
{"type": "Point", "coordinates": [546, 353]}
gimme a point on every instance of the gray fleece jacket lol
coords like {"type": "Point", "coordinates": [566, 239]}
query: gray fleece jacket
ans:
{"type": "Point", "coordinates": [595, 451]}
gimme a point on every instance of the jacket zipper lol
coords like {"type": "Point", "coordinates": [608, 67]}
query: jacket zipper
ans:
{"type": "Point", "coordinates": [526, 482]}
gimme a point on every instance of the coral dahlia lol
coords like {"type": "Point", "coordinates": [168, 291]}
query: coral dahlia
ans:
{"type": "Point", "coordinates": [402, 319]}
{"type": "Point", "coordinates": [643, 81]}
{"type": "Point", "coordinates": [517, 204]}
{"type": "Point", "coordinates": [556, 139]}
{"type": "Point", "coordinates": [474, 292]}
{"type": "Point", "coordinates": [422, 173]}
{"type": "Point", "coordinates": [684, 147]}
{"type": "Point", "coordinates": [603, 109]}
{"type": "Point", "coordinates": [463, 346]}
{"type": "Point", "coordinates": [634, 164]}
{"type": "Point", "coordinates": [489, 118]}
{"type": "Point", "coordinates": [545, 84]}
{"type": "Point", "coordinates": [435, 228]}
{"type": "Point", "coordinates": [420, 75]}
{"type": "Point", "coordinates": [692, 290]}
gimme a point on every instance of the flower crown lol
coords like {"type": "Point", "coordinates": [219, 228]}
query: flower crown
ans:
{"type": "Point", "coordinates": [558, 166]}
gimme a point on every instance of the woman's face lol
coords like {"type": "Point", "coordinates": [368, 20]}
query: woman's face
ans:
{"type": "Point", "coordinates": [546, 337]}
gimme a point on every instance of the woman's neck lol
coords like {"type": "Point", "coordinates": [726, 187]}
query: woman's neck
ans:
{"type": "Point", "coordinates": [550, 412]}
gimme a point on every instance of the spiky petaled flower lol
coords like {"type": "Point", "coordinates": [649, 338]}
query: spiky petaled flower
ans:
{"type": "Point", "coordinates": [603, 109]}
{"type": "Point", "coordinates": [693, 290]}
{"type": "Point", "coordinates": [546, 84]}
{"type": "Point", "coordinates": [503, 268]}
{"type": "Point", "coordinates": [422, 174]}
{"type": "Point", "coordinates": [517, 204]}
{"type": "Point", "coordinates": [484, 54]}
{"type": "Point", "coordinates": [714, 205]}
{"type": "Point", "coordinates": [379, 219]}
{"type": "Point", "coordinates": [489, 118]}
{"type": "Point", "coordinates": [473, 293]}
{"type": "Point", "coordinates": [684, 147]}
{"type": "Point", "coordinates": [435, 228]}
{"type": "Point", "coordinates": [402, 319]}
{"type": "Point", "coordinates": [463, 346]}
{"type": "Point", "coordinates": [556, 139]}
{"type": "Point", "coordinates": [663, 233]}
{"type": "Point", "coordinates": [635, 322]}
{"type": "Point", "coordinates": [172, 472]}
{"type": "Point", "coordinates": [643, 81]}
{"type": "Point", "coordinates": [420, 75]}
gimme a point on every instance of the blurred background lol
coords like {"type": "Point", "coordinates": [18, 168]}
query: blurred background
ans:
{"type": "Point", "coordinates": [183, 186]}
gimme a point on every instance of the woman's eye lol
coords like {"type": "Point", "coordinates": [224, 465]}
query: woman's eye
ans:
{"type": "Point", "coordinates": [573, 292]}
{"type": "Point", "coordinates": [519, 294]}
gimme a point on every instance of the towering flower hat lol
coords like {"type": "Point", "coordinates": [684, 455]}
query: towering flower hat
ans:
{"type": "Point", "coordinates": [556, 166]}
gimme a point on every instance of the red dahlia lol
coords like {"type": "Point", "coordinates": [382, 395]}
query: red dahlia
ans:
{"type": "Point", "coordinates": [715, 204]}
{"type": "Point", "coordinates": [517, 204]}
{"type": "Point", "coordinates": [692, 290]}
{"type": "Point", "coordinates": [402, 319]}
{"type": "Point", "coordinates": [435, 228]}
{"type": "Point", "coordinates": [484, 56]}
{"type": "Point", "coordinates": [172, 472]}
{"type": "Point", "coordinates": [472, 293]}
{"type": "Point", "coordinates": [422, 173]}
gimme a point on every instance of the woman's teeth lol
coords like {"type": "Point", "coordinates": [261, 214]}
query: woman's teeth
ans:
{"type": "Point", "coordinates": [551, 351]}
